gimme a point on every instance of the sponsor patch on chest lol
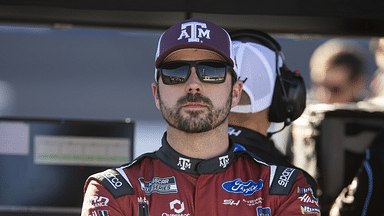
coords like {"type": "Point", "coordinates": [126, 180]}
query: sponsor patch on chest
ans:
{"type": "Point", "coordinates": [238, 186]}
{"type": "Point", "coordinates": [158, 185]}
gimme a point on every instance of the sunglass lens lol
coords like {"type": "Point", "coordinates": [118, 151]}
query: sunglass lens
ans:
{"type": "Point", "coordinates": [175, 73]}
{"type": "Point", "coordinates": [212, 72]}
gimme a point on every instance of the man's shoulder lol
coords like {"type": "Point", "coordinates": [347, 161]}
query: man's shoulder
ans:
{"type": "Point", "coordinates": [282, 180]}
{"type": "Point", "coordinates": [115, 180]}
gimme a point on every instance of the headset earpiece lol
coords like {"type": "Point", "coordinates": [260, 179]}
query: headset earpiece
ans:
{"type": "Point", "coordinates": [289, 97]}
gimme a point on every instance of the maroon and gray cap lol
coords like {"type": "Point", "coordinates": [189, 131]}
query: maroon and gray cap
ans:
{"type": "Point", "coordinates": [195, 33]}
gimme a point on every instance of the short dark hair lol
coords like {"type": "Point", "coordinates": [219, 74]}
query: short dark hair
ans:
{"type": "Point", "coordinates": [350, 60]}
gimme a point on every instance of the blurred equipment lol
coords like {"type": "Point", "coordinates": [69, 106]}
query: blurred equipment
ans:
{"type": "Point", "coordinates": [363, 196]}
{"type": "Point", "coordinates": [329, 142]}
{"type": "Point", "coordinates": [45, 162]}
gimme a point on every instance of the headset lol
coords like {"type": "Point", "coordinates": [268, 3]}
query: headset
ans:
{"type": "Point", "coordinates": [289, 96]}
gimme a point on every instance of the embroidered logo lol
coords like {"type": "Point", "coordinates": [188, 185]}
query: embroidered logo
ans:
{"type": "Point", "coordinates": [198, 31]}
{"type": "Point", "coordinates": [263, 211]}
{"type": "Point", "coordinates": [142, 200]}
{"type": "Point", "coordinates": [184, 163]}
{"type": "Point", "coordinates": [285, 176]}
{"type": "Point", "coordinates": [172, 205]}
{"type": "Point", "coordinates": [232, 131]}
{"type": "Point", "coordinates": [306, 198]}
{"type": "Point", "coordinates": [239, 147]}
{"type": "Point", "coordinates": [224, 161]}
{"type": "Point", "coordinates": [159, 185]}
{"type": "Point", "coordinates": [231, 202]}
{"type": "Point", "coordinates": [112, 179]}
{"type": "Point", "coordinates": [238, 186]}
{"type": "Point", "coordinates": [303, 190]}
{"type": "Point", "coordinates": [96, 201]}
{"type": "Point", "coordinates": [254, 201]}
{"type": "Point", "coordinates": [309, 210]}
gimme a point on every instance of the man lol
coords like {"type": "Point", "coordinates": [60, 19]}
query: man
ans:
{"type": "Point", "coordinates": [249, 121]}
{"type": "Point", "coordinates": [196, 171]}
{"type": "Point", "coordinates": [337, 72]}
{"type": "Point", "coordinates": [377, 82]}
{"type": "Point", "coordinates": [363, 195]}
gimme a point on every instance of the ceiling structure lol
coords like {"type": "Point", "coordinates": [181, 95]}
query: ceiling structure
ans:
{"type": "Point", "coordinates": [299, 17]}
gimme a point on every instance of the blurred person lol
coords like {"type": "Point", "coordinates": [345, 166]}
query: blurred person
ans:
{"type": "Point", "coordinates": [377, 82]}
{"type": "Point", "coordinates": [363, 195]}
{"type": "Point", "coordinates": [197, 170]}
{"type": "Point", "coordinates": [337, 73]}
{"type": "Point", "coordinates": [259, 58]}
{"type": "Point", "coordinates": [338, 77]}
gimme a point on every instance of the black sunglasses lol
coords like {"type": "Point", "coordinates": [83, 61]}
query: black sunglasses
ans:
{"type": "Point", "coordinates": [208, 71]}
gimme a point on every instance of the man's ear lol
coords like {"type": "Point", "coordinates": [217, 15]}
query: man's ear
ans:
{"type": "Point", "coordinates": [155, 87]}
{"type": "Point", "coordinates": [236, 92]}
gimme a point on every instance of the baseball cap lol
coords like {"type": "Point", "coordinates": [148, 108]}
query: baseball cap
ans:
{"type": "Point", "coordinates": [195, 33]}
{"type": "Point", "coordinates": [256, 66]}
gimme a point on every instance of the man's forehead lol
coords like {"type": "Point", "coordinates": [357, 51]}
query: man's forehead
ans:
{"type": "Point", "coordinates": [193, 54]}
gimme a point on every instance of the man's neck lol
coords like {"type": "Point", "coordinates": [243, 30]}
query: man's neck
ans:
{"type": "Point", "coordinates": [204, 145]}
{"type": "Point", "coordinates": [254, 121]}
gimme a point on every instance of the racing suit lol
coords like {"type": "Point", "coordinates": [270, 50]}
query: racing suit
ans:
{"type": "Point", "coordinates": [166, 183]}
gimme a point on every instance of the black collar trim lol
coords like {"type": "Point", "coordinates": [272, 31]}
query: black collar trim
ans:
{"type": "Point", "coordinates": [196, 166]}
{"type": "Point", "coordinates": [248, 138]}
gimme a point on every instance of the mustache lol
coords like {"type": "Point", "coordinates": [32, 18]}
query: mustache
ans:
{"type": "Point", "coordinates": [194, 98]}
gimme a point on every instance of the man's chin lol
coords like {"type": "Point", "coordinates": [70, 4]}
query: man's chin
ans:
{"type": "Point", "coordinates": [193, 114]}
{"type": "Point", "coordinates": [196, 130]}
{"type": "Point", "coordinates": [194, 125]}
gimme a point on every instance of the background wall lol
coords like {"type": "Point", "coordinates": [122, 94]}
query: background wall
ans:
{"type": "Point", "coordinates": [100, 74]}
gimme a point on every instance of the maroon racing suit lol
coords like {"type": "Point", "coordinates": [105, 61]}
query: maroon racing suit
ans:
{"type": "Point", "coordinates": [166, 183]}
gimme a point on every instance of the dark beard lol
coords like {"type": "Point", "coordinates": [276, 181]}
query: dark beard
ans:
{"type": "Point", "coordinates": [192, 123]}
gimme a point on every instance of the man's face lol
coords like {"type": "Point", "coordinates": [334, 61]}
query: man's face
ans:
{"type": "Point", "coordinates": [194, 106]}
{"type": "Point", "coordinates": [337, 87]}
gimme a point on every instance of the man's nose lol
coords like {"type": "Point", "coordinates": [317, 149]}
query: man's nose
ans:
{"type": "Point", "coordinates": [193, 84]}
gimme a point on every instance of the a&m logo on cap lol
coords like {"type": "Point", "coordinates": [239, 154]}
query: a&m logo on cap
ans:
{"type": "Point", "coordinates": [197, 30]}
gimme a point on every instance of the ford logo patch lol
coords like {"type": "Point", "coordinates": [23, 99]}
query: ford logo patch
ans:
{"type": "Point", "coordinates": [238, 186]}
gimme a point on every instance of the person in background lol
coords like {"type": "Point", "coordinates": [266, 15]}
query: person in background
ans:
{"type": "Point", "coordinates": [249, 121]}
{"type": "Point", "coordinates": [363, 195]}
{"type": "Point", "coordinates": [197, 170]}
{"type": "Point", "coordinates": [337, 73]}
{"type": "Point", "coordinates": [377, 83]}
